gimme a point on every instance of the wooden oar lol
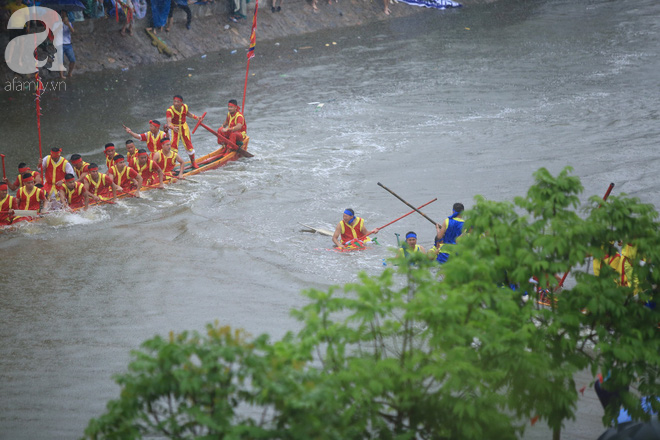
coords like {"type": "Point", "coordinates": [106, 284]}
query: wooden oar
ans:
{"type": "Point", "coordinates": [23, 212]}
{"type": "Point", "coordinates": [239, 150]}
{"type": "Point", "coordinates": [416, 210]}
{"type": "Point", "coordinates": [405, 215]}
{"type": "Point", "coordinates": [199, 121]}
{"type": "Point", "coordinates": [26, 212]}
{"type": "Point", "coordinates": [607, 194]}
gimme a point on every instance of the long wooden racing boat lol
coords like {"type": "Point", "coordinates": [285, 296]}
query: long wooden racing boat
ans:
{"type": "Point", "coordinates": [208, 162]}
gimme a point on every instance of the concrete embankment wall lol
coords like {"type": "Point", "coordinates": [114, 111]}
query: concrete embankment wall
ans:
{"type": "Point", "coordinates": [99, 45]}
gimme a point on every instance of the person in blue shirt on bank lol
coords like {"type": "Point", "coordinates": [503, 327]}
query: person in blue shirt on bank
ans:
{"type": "Point", "coordinates": [448, 232]}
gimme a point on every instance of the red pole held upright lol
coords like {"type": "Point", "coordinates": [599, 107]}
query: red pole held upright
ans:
{"type": "Point", "coordinates": [40, 87]}
{"type": "Point", "coordinates": [250, 53]}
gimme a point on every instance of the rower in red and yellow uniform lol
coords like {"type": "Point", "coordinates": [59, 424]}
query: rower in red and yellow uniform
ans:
{"type": "Point", "coordinates": [167, 158]}
{"type": "Point", "coordinates": [99, 185]}
{"type": "Point", "coordinates": [152, 137]}
{"type": "Point", "coordinates": [126, 177]}
{"type": "Point", "coordinates": [79, 167]}
{"type": "Point", "coordinates": [7, 205]}
{"type": "Point", "coordinates": [151, 173]}
{"type": "Point", "coordinates": [22, 169]}
{"type": "Point", "coordinates": [73, 193]}
{"type": "Point", "coordinates": [350, 228]}
{"type": "Point", "coordinates": [30, 197]}
{"type": "Point", "coordinates": [110, 153]}
{"type": "Point", "coordinates": [55, 168]}
{"type": "Point", "coordinates": [131, 154]}
{"type": "Point", "coordinates": [234, 128]}
{"type": "Point", "coordinates": [176, 120]}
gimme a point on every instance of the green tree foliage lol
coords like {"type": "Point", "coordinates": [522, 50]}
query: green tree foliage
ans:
{"type": "Point", "coordinates": [403, 355]}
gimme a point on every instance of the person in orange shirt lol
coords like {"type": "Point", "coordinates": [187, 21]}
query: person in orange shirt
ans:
{"type": "Point", "coordinates": [125, 177]}
{"type": "Point", "coordinates": [109, 151]}
{"type": "Point", "coordinates": [55, 168]}
{"type": "Point", "coordinates": [100, 185]}
{"type": "Point", "coordinates": [151, 173]}
{"type": "Point", "coordinates": [79, 166]}
{"type": "Point", "coordinates": [73, 193]}
{"type": "Point", "coordinates": [167, 159]}
{"type": "Point", "coordinates": [7, 206]}
{"type": "Point", "coordinates": [30, 197]}
{"type": "Point", "coordinates": [131, 153]}
{"type": "Point", "coordinates": [22, 169]}
{"type": "Point", "coordinates": [152, 137]}
{"type": "Point", "coordinates": [350, 228]}
{"type": "Point", "coordinates": [176, 120]}
{"type": "Point", "coordinates": [234, 128]}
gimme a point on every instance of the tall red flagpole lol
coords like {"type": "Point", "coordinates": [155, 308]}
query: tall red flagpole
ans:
{"type": "Point", "coordinates": [40, 87]}
{"type": "Point", "coordinates": [250, 53]}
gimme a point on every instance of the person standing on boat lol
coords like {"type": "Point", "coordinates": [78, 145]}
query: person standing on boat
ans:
{"type": "Point", "coordinates": [99, 185]}
{"type": "Point", "coordinates": [448, 232]}
{"type": "Point", "coordinates": [167, 159]}
{"type": "Point", "coordinates": [79, 166]}
{"type": "Point", "coordinates": [350, 228]}
{"type": "Point", "coordinates": [176, 120]}
{"type": "Point", "coordinates": [110, 153]}
{"type": "Point", "coordinates": [22, 169]}
{"type": "Point", "coordinates": [234, 128]}
{"type": "Point", "coordinates": [152, 137]}
{"type": "Point", "coordinates": [7, 205]}
{"type": "Point", "coordinates": [149, 170]}
{"type": "Point", "coordinates": [410, 245]}
{"type": "Point", "coordinates": [124, 176]}
{"type": "Point", "coordinates": [73, 193]}
{"type": "Point", "coordinates": [30, 197]}
{"type": "Point", "coordinates": [55, 168]}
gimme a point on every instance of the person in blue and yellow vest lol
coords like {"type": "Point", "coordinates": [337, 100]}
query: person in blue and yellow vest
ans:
{"type": "Point", "coordinates": [234, 128]}
{"type": "Point", "coordinates": [350, 228]}
{"type": "Point", "coordinates": [176, 120]}
{"type": "Point", "coordinates": [448, 232]}
{"type": "Point", "coordinates": [410, 245]}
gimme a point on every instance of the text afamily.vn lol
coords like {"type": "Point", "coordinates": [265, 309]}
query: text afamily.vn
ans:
{"type": "Point", "coordinates": [18, 85]}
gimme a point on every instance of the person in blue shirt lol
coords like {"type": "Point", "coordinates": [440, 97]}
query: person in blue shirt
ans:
{"type": "Point", "coordinates": [448, 232]}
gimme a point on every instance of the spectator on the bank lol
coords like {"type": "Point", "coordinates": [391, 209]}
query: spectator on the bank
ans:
{"type": "Point", "coordinates": [67, 47]}
{"type": "Point", "coordinates": [160, 10]}
{"type": "Point", "coordinates": [277, 8]}
{"type": "Point", "coordinates": [238, 10]}
{"type": "Point", "coordinates": [181, 4]}
{"type": "Point", "coordinates": [127, 8]}
{"type": "Point", "coordinates": [387, 7]}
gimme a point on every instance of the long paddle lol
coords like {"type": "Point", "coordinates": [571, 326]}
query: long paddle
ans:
{"type": "Point", "coordinates": [239, 150]}
{"type": "Point", "coordinates": [199, 121]}
{"type": "Point", "coordinates": [416, 210]}
{"type": "Point", "coordinates": [607, 194]}
{"type": "Point", "coordinates": [4, 174]}
{"type": "Point", "coordinates": [405, 215]}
